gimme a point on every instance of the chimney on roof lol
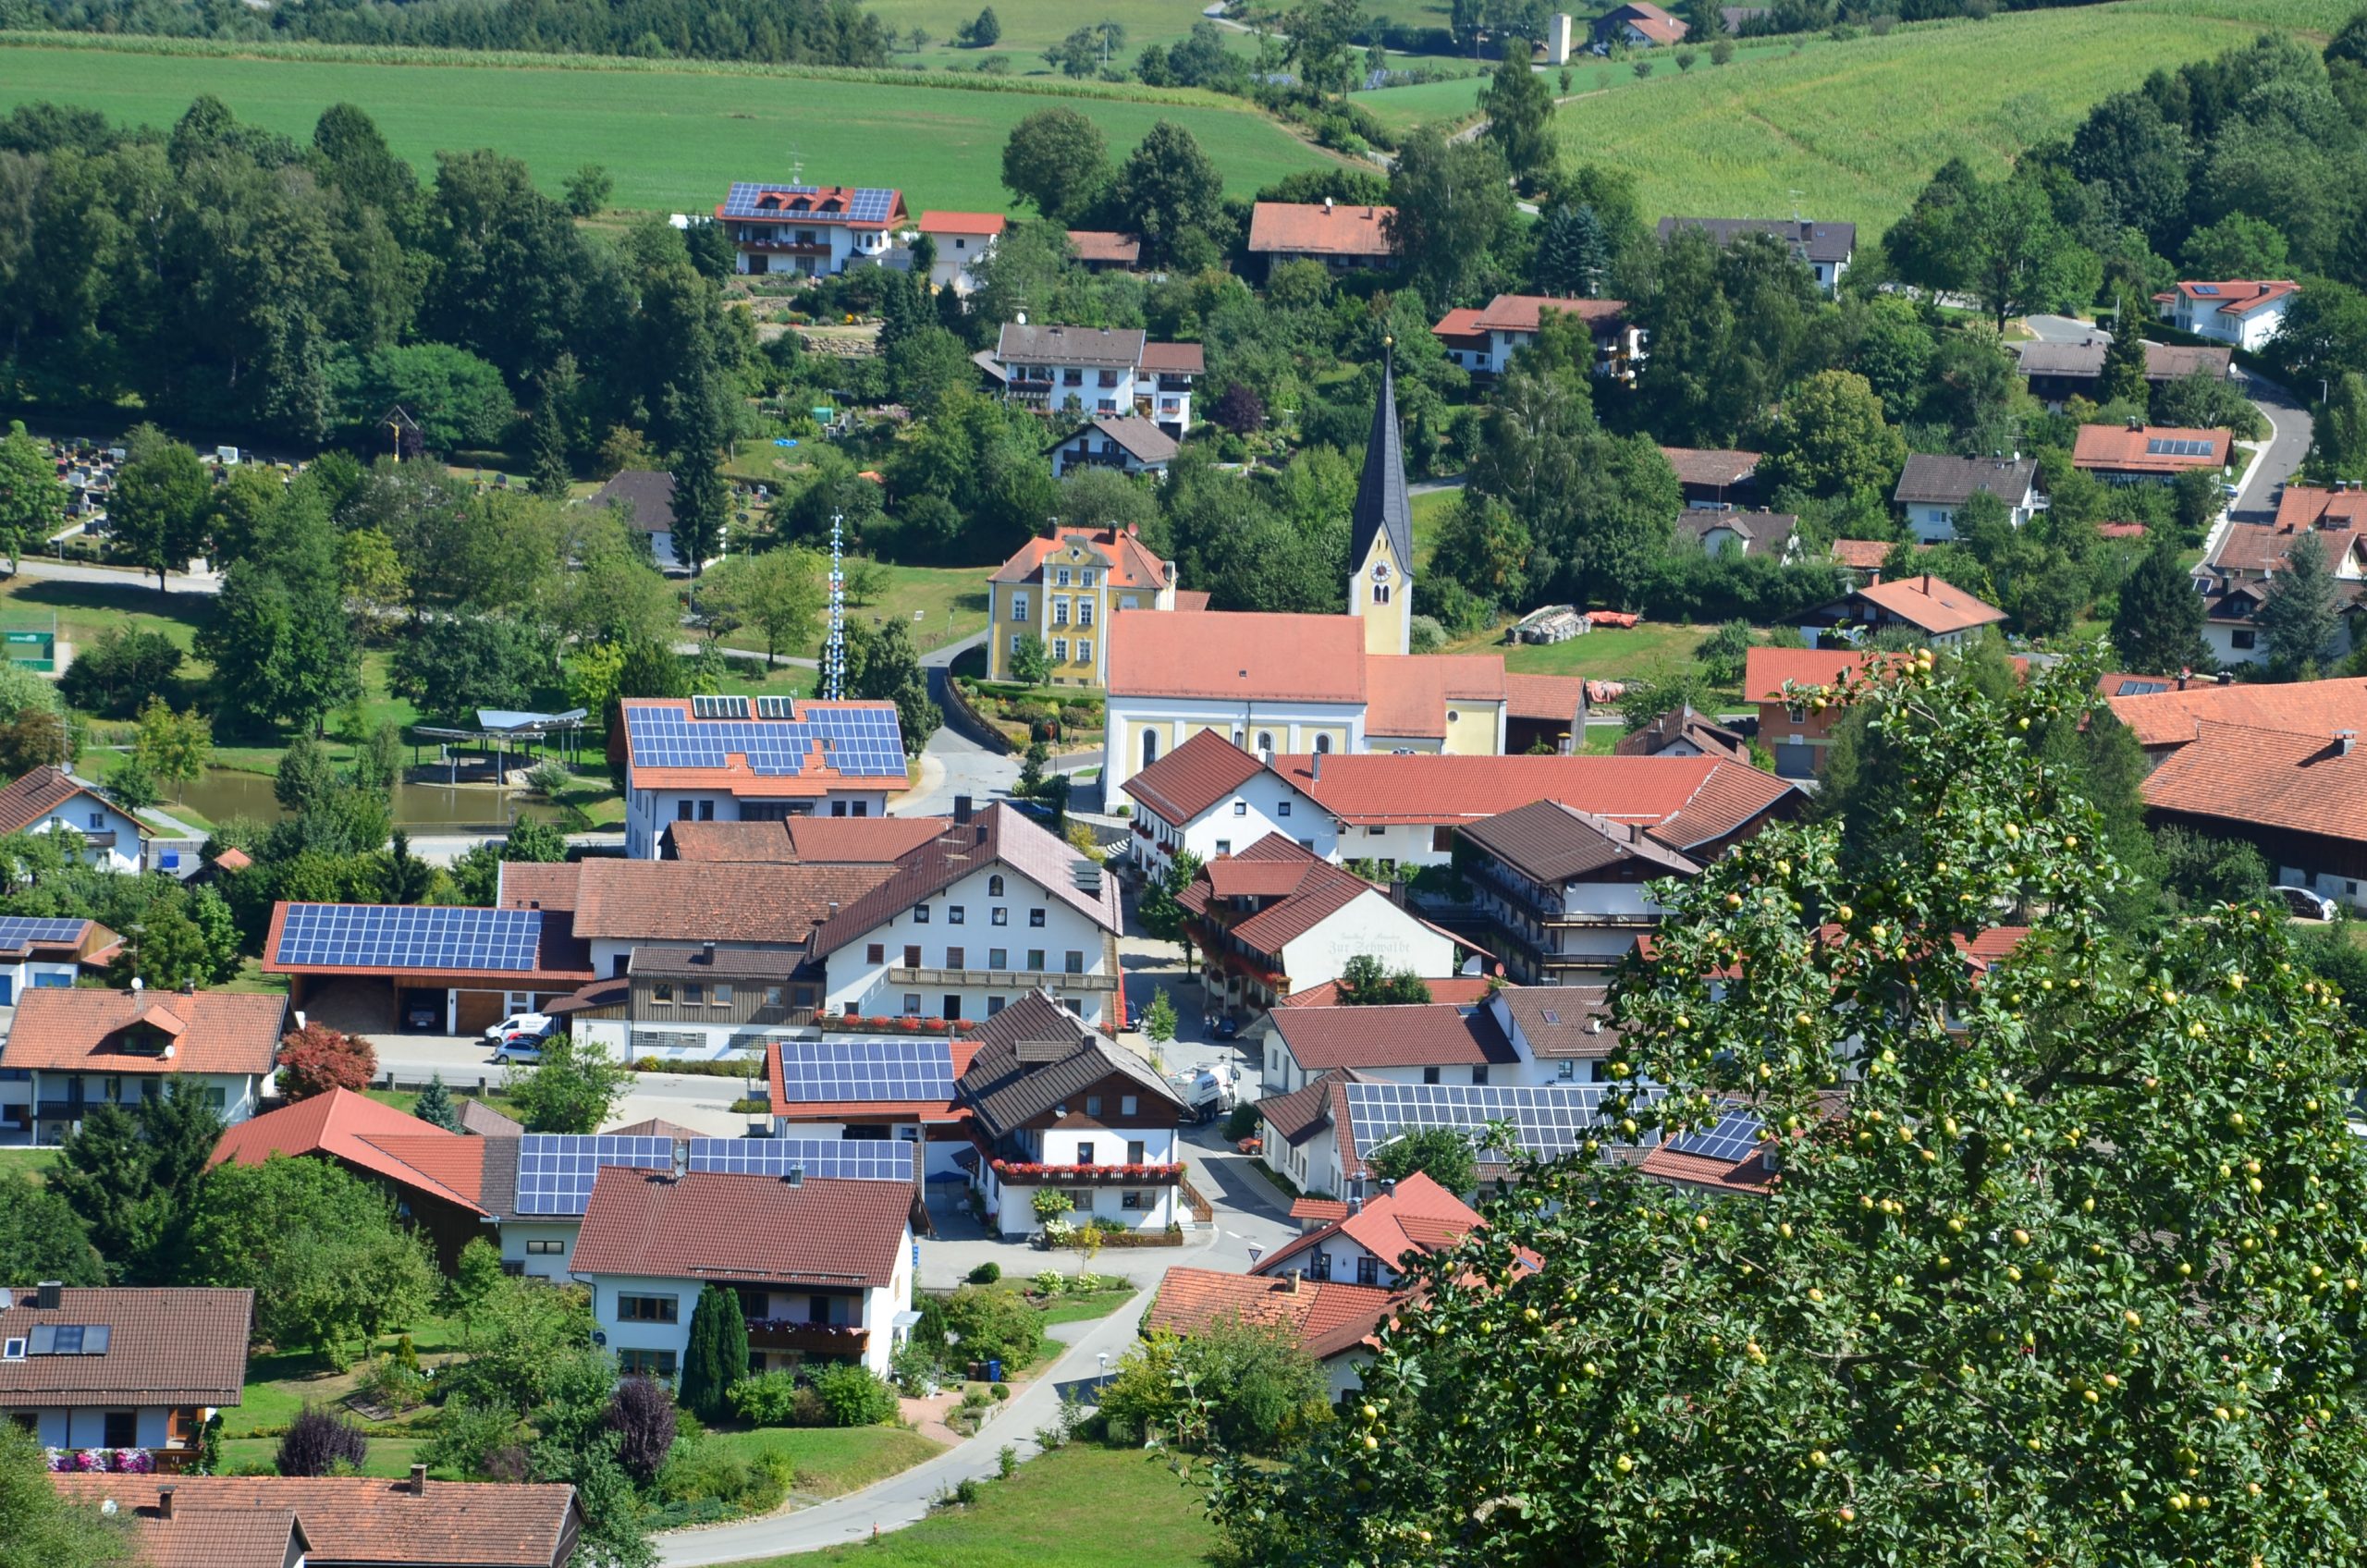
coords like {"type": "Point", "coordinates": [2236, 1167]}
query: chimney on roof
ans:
{"type": "Point", "coordinates": [707, 952]}
{"type": "Point", "coordinates": [1927, 582]}
{"type": "Point", "coordinates": [963, 807]}
{"type": "Point", "coordinates": [418, 1480]}
{"type": "Point", "coordinates": [2136, 424]}
{"type": "Point", "coordinates": [1316, 769]}
{"type": "Point", "coordinates": [1389, 1186]}
{"type": "Point", "coordinates": [982, 831]}
{"type": "Point", "coordinates": [164, 1502]}
{"type": "Point", "coordinates": [794, 1176]}
{"type": "Point", "coordinates": [2185, 676]}
{"type": "Point", "coordinates": [2344, 740]}
{"type": "Point", "coordinates": [1327, 206]}
{"type": "Point", "coordinates": [48, 1294]}
{"type": "Point", "coordinates": [2226, 678]}
{"type": "Point", "coordinates": [1296, 1275]}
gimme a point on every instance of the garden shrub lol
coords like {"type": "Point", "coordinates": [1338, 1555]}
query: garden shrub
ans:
{"type": "Point", "coordinates": [853, 1395]}
{"type": "Point", "coordinates": [985, 1273]}
{"type": "Point", "coordinates": [993, 1325]}
{"type": "Point", "coordinates": [769, 1399]}
{"type": "Point", "coordinates": [318, 1441]}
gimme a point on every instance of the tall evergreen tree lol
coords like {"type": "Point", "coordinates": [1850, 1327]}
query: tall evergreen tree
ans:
{"type": "Point", "coordinates": [2124, 372]}
{"type": "Point", "coordinates": [717, 1357]}
{"type": "Point", "coordinates": [2300, 619]}
{"type": "Point", "coordinates": [434, 1106]}
{"type": "Point", "coordinates": [1519, 107]}
{"type": "Point", "coordinates": [1572, 251]}
{"type": "Point", "coordinates": [551, 472]}
{"type": "Point", "coordinates": [132, 1174]}
{"type": "Point", "coordinates": [2157, 627]}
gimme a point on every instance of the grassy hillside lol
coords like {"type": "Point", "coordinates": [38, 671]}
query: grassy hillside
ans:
{"type": "Point", "coordinates": [1850, 131]}
{"type": "Point", "coordinates": [673, 138]}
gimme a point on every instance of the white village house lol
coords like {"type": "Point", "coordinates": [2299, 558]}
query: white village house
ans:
{"type": "Point", "coordinates": [754, 759]}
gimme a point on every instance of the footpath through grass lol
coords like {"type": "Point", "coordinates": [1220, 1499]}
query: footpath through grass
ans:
{"type": "Point", "coordinates": [675, 138]}
{"type": "Point", "coordinates": [1082, 1506]}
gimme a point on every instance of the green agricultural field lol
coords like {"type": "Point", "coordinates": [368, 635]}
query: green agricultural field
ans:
{"type": "Point", "coordinates": [675, 138]}
{"type": "Point", "coordinates": [1852, 131]}
{"type": "Point", "coordinates": [1030, 26]}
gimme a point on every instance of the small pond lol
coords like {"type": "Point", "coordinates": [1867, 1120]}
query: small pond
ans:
{"type": "Point", "coordinates": [224, 793]}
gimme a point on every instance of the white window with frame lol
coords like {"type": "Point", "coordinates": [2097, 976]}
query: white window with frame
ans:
{"type": "Point", "coordinates": [1084, 612]}
{"type": "Point", "coordinates": [1060, 612]}
{"type": "Point", "coordinates": [1018, 607]}
{"type": "Point", "coordinates": [1060, 577]}
{"type": "Point", "coordinates": [1017, 638]}
{"type": "Point", "coordinates": [1088, 577]}
{"type": "Point", "coordinates": [1084, 652]}
{"type": "Point", "coordinates": [1060, 650]}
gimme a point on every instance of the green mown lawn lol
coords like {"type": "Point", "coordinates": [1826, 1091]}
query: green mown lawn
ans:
{"type": "Point", "coordinates": [390, 1457]}
{"type": "Point", "coordinates": [14, 1162]}
{"type": "Point", "coordinates": [832, 1460]}
{"type": "Point", "coordinates": [675, 136]}
{"type": "Point", "coordinates": [1850, 131]}
{"type": "Point", "coordinates": [1082, 1506]}
{"type": "Point", "coordinates": [1081, 1309]}
{"type": "Point", "coordinates": [1650, 652]}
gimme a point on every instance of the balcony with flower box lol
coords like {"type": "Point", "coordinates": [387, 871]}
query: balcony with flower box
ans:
{"type": "Point", "coordinates": [1030, 1174]}
{"type": "Point", "coordinates": [805, 1338]}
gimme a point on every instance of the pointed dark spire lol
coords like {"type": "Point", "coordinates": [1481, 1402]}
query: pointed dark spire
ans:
{"type": "Point", "coordinates": [1382, 503]}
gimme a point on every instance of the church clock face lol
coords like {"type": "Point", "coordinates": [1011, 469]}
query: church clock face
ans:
{"type": "Point", "coordinates": [1381, 572]}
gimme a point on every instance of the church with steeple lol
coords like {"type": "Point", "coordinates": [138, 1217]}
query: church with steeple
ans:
{"type": "Point", "coordinates": [1381, 549]}
{"type": "Point", "coordinates": [1306, 686]}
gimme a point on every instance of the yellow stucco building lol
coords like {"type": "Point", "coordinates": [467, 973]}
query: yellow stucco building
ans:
{"type": "Point", "coordinates": [1064, 590]}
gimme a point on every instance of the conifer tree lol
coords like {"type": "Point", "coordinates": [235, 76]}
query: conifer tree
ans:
{"type": "Point", "coordinates": [434, 1106]}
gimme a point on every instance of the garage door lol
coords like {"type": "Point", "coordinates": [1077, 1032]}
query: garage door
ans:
{"type": "Point", "coordinates": [480, 1010]}
{"type": "Point", "coordinates": [1794, 760]}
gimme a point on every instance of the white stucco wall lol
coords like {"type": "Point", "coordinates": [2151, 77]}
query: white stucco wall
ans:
{"type": "Point", "coordinates": [963, 916]}
{"type": "Point", "coordinates": [1367, 923]}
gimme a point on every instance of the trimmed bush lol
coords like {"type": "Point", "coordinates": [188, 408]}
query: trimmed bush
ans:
{"type": "Point", "coordinates": [985, 1273]}
{"type": "Point", "coordinates": [853, 1395]}
{"type": "Point", "coordinates": [774, 1399]}
{"type": "Point", "coordinates": [318, 1441]}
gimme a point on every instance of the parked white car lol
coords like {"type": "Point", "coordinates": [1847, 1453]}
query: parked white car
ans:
{"type": "Point", "coordinates": [2305, 903]}
{"type": "Point", "coordinates": [519, 1024]}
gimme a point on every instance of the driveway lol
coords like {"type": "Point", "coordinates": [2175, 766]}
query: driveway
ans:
{"type": "Point", "coordinates": [700, 1103]}
{"type": "Point", "coordinates": [2291, 431]}
{"type": "Point", "coordinates": [2064, 329]}
{"type": "Point", "coordinates": [953, 763]}
{"type": "Point", "coordinates": [902, 1500]}
{"type": "Point", "coordinates": [42, 570]}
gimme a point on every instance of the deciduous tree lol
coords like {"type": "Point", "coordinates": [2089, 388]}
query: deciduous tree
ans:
{"type": "Point", "coordinates": [571, 1090]}
{"type": "Point", "coordinates": [158, 508]}
{"type": "Point", "coordinates": [1057, 161]}
{"type": "Point", "coordinates": [32, 502]}
{"type": "Point", "coordinates": [316, 1058]}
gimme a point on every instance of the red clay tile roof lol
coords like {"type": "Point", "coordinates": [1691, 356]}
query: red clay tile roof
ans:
{"type": "Point", "coordinates": [1425, 1034]}
{"type": "Point", "coordinates": [2232, 297]}
{"type": "Point", "coordinates": [1230, 878]}
{"type": "Point", "coordinates": [2119, 449]}
{"type": "Point", "coordinates": [1129, 561]}
{"type": "Point", "coordinates": [1105, 246]}
{"type": "Point", "coordinates": [842, 840]}
{"type": "Point", "coordinates": [1933, 604]}
{"type": "Point", "coordinates": [1650, 20]}
{"type": "Point", "coordinates": [1194, 777]}
{"type": "Point", "coordinates": [77, 1030]}
{"type": "Point", "coordinates": [2302, 506]}
{"type": "Point", "coordinates": [1192, 599]}
{"type": "Point", "coordinates": [1323, 1209]}
{"type": "Point", "coordinates": [1312, 229]}
{"type": "Point", "coordinates": [1555, 698]}
{"type": "Point", "coordinates": [1418, 1216]}
{"type": "Point", "coordinates": [41, 792]}
{"type": "Point", "coordinates": [934, 221]}
{"type": "Point", "coordinates": [1461, 326]}
{"type": "Point", "coordinates": [1861, 555]}
{"type": "Point", "coordinates": [1766, 671]}
{"type": "Point", "coordinates": [349, 1127]}
{"type": "Point", "coordinates": [1326, 1317]}
{"type": "Point", "coordinates": [1700, 465]}
{"type": "Point", "coordinates": [1384, 787]}
{"type": "Point", "coordinates": [2306, 707]}
{"type": "Point", "coordinates": [457, 1163]}
{"type": "Point", "coordinates": [1464, 990]}
{"type": "Point", "coordinates": [996, 836]}
{"type": "Point", "coordinates": [715, 900]}
{"type": "Point", "coordinates": [2264, 779]}
{"type": "Point", "coordinates": [1236, 656]}
{"type": "Point", "coordinates": [361, 1520]}
{"type": "Point", "coordinates": [1748, 1174]}
{"type": "Point", "coordinates": [181, 1345]}
{"type": "Point", "coordinates": [533, 884]}
{"type": "Point", "coordinates": [710, 1225]}
{"type": "Point", "coordinates": [1522, 313]}
{"type": "Point", "coordinates": [1410, 694]}
{"type": "Point", "coordinates": [234, 859]}
{"type": "Point", "coordinates": [258, 1537]}
{"type": "Point", "coordinates": [1173, 359]}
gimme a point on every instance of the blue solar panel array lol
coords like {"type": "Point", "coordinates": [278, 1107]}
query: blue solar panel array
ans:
{"type": "Point", "coordinates": [410, 936]}
{"type": "Point", "coordinates": [556, 1170]}
{"type": "Point", "coordinates": [852, 1159]}
{"type": "Point", "coordinates": [857, 741]}
{"type": "Point", "coordinates": [1733, 1139]}
{"type": "Point", "coordinates": [17, 930]}
{"type": "Point", "coordinates": [866, 1070]}
{"type": "Point", "coordinates": [868, 205]}
{"type": "Point", "coordinates": [1554, 1119]}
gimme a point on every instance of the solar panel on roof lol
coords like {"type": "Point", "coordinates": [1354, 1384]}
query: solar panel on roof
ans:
{"type": "Point", "coordinates": [556, 1170]}
{"type": "Point", "coordinates": [1552, 1119]}
{"type": "Point", "coordinates": [2212, 288]}
{"type": "Point", "coordinates": [866, 1070]}
{"type": "Point", "coordinates": [745, 200]}
{"type": "Point", "coordinates": [846, 1159]}
{"type": "Point", "coordinates": [410, 936]}
{"type": "Point", "coordinates": [1733, 1140]}
{"type": "Point", "coordinates": [857, 741]}
{"type": "Point", "coordinates": [2176, 447]}
{"type": "Point", "coordinates": [17, 930]}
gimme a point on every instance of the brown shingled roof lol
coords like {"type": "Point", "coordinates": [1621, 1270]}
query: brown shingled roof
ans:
{"type": "Point", "coordinates": [41, 792]}
{"type": "Point", "coordinates": [715, 902]}
{"type": "Point", "coordinates": [1548, 842]}
{"type": "Point", "coordinates": [1320, 228]}
{"type": "Point", "coordinates": [78, 1030]}
{"type": "Point", "coordinates": [1423, 1035]}
{"type": "Point", "coordinates": [362, 1520]}
{"type": "Point", "coordinates": [996, 836]}
{"type": "Point", "coordinates": [262, 1538]}
{"type": "Point", "coordinates": [1194, 775]}
{"type": "Point", "coordinates": [166, 1345]}
{"type": "Point", "coordinates": [708, 1224]}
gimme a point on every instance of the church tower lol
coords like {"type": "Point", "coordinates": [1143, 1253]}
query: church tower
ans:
{"type": "Point", "coordinates": [1380, 550]}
